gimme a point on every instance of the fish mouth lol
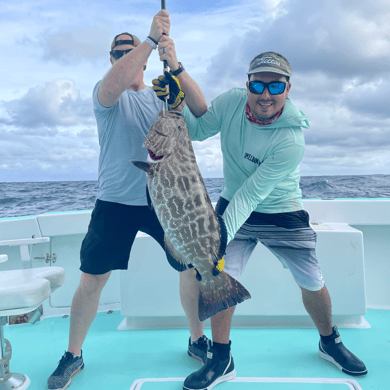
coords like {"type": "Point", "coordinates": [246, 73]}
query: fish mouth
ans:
{"type": "Point", "coordinates": [162, 134]}
{"type": "Point", "coordinates": [153, 156]}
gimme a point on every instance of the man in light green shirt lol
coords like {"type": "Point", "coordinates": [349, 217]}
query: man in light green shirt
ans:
{"type": "Point", "coordinates": [262, 143]}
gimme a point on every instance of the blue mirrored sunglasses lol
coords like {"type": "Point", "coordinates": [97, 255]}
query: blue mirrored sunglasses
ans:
{"type": "Point", "coordinates": [274, 87]}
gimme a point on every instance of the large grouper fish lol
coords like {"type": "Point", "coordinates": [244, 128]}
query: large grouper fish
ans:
{"type": "Point", "coordinates": [195, 235]}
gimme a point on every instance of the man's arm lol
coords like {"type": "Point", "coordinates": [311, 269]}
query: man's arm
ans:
{"type": "Point", "coordinates": [123, 74]}
{"type": "Point", "coordinates": [260, 184]}
{"type": "Point", "coordinates": [125, 71]}
{"type": "Point", "coordinates": [194, 99]}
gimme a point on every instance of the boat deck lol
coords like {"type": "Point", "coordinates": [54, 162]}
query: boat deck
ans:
{"type": "Point", "coordinates": [265, 359]}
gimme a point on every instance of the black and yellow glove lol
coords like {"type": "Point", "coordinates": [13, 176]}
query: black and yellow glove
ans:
{"type": "Point", "coordinates": [176, 95]}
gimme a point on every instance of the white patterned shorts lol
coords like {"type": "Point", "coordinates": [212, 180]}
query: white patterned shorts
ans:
{"type": "Point", "coordinates": [287, 235]}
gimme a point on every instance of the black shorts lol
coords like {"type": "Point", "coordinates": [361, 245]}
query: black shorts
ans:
{"type": "Point", "coordinates": [111, 233]}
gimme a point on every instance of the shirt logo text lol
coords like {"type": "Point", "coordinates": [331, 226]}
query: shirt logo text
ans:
{"type": "Point", "coordinates": [252, 159]}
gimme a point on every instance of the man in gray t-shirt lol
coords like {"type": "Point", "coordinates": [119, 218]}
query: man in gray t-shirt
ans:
{"type": "Point", "coordinates": [122, 129]}
{"type": "Point", "coordinates": [125, 109]}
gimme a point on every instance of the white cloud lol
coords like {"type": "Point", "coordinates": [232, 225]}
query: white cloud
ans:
{"type": "Point", "coordinates": [47, 133]}
{"type": "Point", "coordinates": [57, 103]}
{"type": "Point", "coordinates": [70, 46]}
{"type": "Point", "coordinates": [372, 98]}
{"type": "Point", "coordinates": [54, 53]}
{"type": "Point", "coordinates": [209, 156]}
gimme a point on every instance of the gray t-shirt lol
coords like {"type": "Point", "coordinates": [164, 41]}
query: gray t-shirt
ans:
{"type": "Point", "coordinates": [122, 129]}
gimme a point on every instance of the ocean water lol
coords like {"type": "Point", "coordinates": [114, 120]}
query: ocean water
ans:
{"type": "Point", "coordinates": [33, 198]}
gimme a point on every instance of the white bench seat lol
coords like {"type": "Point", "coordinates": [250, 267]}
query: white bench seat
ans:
{"type": "Point", "coordinates": [23, 291]}
{"type": "Point", "coordinates": [27, 288]}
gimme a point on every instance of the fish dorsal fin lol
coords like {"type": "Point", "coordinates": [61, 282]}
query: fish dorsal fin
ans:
{"type": "Point", "coordinates": [175, 259]}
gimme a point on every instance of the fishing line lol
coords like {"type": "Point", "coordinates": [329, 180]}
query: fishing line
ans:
{"type": "Point", "coordinates": [165, 66]}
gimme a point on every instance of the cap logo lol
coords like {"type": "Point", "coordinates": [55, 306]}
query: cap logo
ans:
{"type": "Point", "coordinates": [268, 60]}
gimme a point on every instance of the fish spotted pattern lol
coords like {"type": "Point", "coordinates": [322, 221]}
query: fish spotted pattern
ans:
{"type": "Point", "coordinates": [195, 235]}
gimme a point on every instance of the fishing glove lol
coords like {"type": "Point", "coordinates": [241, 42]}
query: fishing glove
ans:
{"type": "Point", "coordinates": [176, 95]}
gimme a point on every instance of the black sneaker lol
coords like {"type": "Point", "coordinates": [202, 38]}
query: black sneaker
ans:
{"type": "Point", "coordinates": [213, 372]}
{"type": "Point", "coordinates": [341, 357]}
{"type": "Point", "coordinates": [67, 368]}
{"type": "Point", "coordinates": [198, 350]}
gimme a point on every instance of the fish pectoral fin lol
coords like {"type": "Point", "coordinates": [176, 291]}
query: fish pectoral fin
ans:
{"type": "Point", "coordinates": [175, 259]}
{"type": "Point", "coordinates": [150, 203]}
{"type": "Point", "coordinates": [223, 244]}
{"type": "Point", "coordinates": [145, 166]}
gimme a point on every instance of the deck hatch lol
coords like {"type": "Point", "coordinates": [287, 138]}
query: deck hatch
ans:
{"type": "Point", "coordinates": [248, 383]}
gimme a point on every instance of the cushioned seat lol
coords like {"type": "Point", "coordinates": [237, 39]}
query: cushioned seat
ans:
{"type": "Point", "coordinates": [23, 291]}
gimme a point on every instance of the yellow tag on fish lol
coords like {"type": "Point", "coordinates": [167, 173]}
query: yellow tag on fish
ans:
{"type": "Point", "coordinates": [220, 265]}
{"type": "Point", "coordinates": [198, 275]}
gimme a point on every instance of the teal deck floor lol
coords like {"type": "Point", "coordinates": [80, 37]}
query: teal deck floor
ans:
{"type": "Point", "coordinates": [115, 359]}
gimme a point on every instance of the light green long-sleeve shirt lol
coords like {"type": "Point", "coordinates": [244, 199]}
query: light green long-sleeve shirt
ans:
{"type": "Point", "coordinates": [260, 163]}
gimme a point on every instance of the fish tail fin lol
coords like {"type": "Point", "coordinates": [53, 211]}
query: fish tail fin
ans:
{"type": "Point", "coordinates": [225, 293]}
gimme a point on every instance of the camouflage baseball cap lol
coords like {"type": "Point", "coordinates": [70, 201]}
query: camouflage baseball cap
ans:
{"type": "Point", "coordinates": [270, 62]}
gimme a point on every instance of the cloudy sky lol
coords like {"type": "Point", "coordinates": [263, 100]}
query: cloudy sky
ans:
{"type": "Point", "coordinates": [52, 53]}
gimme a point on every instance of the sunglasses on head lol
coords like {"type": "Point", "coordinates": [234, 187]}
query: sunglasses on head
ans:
{"type": "Point", "coordinates": [116, 54]}
{"type": "Point", "coordinates": [274, 87]}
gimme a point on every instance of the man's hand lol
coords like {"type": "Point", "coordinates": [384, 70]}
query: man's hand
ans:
{"type": "Point", "coordinates": [167, 52]}
{"type": "Point", "coordinates": [160, 25]}
{"type": "Point", "coordinates": [176, 95]}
